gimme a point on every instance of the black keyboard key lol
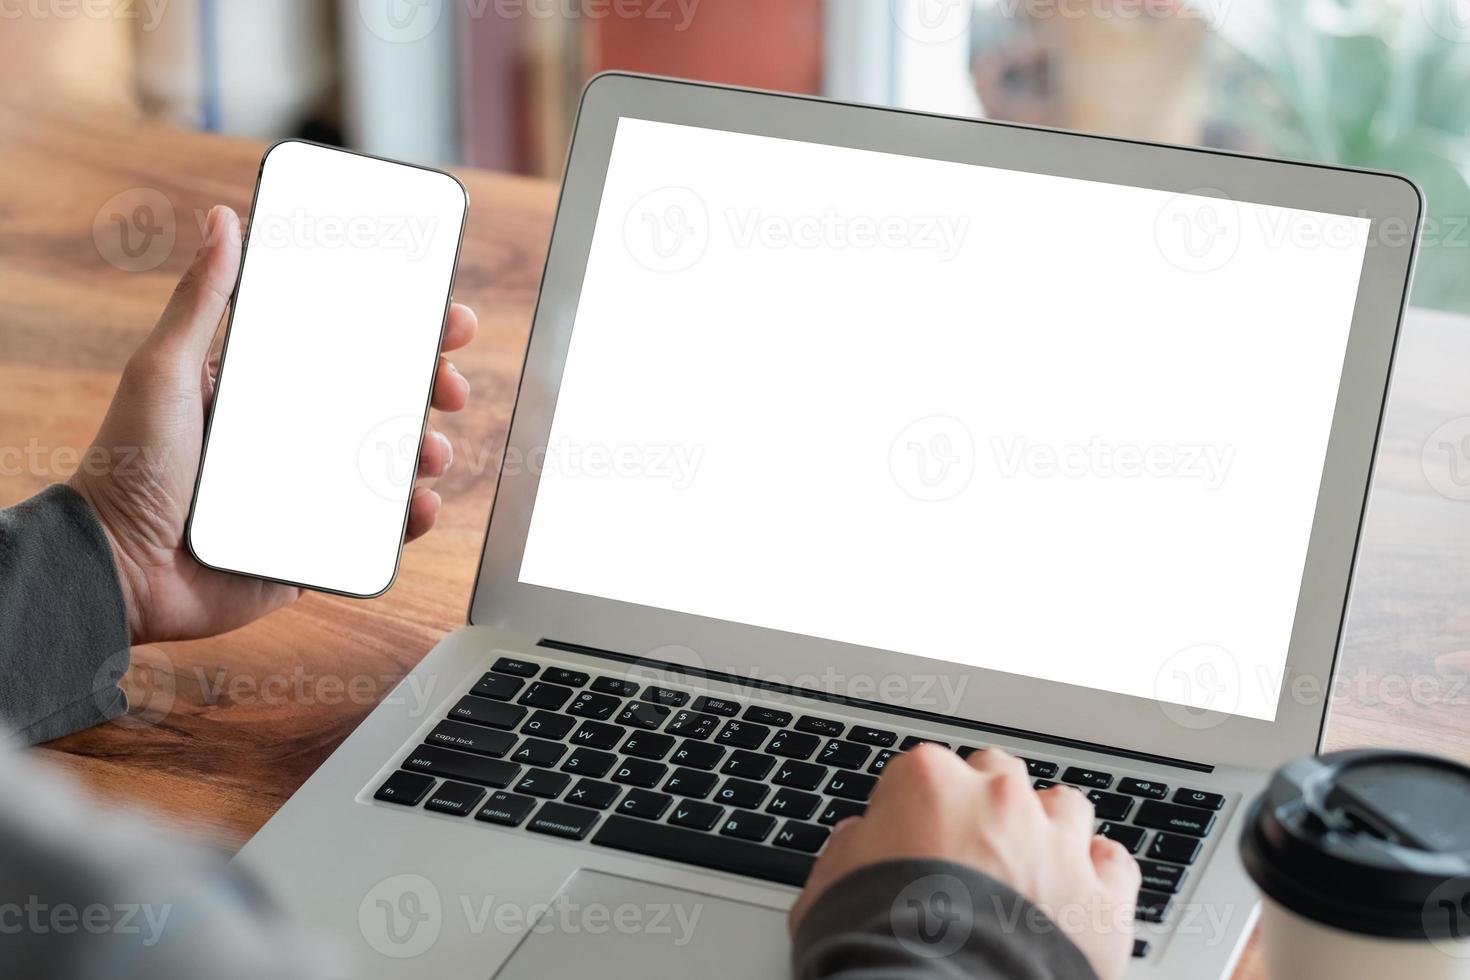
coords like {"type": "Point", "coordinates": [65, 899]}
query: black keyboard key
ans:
{"type": "Point", "coordinates": [913, 740]}
{"type": "Point", "coordinates": [596, 735]}
{"type": "Point", "coordinates": [794, 803]}
{"type": "Point", "coordinates": [492, 713]}
{"type": "Point", "coordinates": [594, 793]}
{"type": "Point", "coordinates": [704, 850]}
{"type": "Point", "coordinates": [839, 810]}
{"type": "Point", "coordinates": [1174, 849]}
{"type": "Point", "coordinates": [665, 696]}
{"type": "Point", "coordinates": [471, 738]}
{"type": "Point", "coordinates": [561, 675]}
{"type": "Point", "coordinates": [1143, 787]}
{"type": "Point", "coordinates": [640, 772]}
{"type": "Point", "coordinates": [1040, 769]}
{"type": "Point", "coordinates": [742, 793]}
{"type": "Point", "coordinates": [513, 665]}
{"type": "Point", "coordinates": [505, 808]}
{"type": "Point", "coordinates": [538, 752]}
{"type": "Point", "coordinates": [589, 762]}
{"type": "Point", "coordinates": [1087, 777]}
{"type": "Point", "coordinates": [793, 745]}
{"type": "Point", "coordinates": [1110, 806]}
{"type": "Point", "coordinates": [407, 788]}
{"type": "Point", "coordinates": [800, 775]}
{"type": "Point", "coordinates": [642, 714]}
{"type": "Point", "coordinates": [589, 705]}
{"type": "Point", "coordinates": [743, 735]}
{"type": "Point", "coordinates": [691, 782]}
{"type": "Point", "coordinates": [560, 820]}
{"type": "Point", "coordinates": [693, 724]}
{"type": "Point", "coordinates": [695, 816]}
{"type": "Point", "coordinates": [767, 716]}
{"type": "Point", "coordinates": [844, 755]}
{"type": "Point", "coordinates": [872, 736]}
{"type": "Point", "coordinates": [456, 799]}
{"type": "Point", "coordinates": [1042, 784]}
{"type": "Point", "coordinates": [747, 825]}
{"type": "Point", "coordinates": [1176, 819]}
{"type": "Point", "coordinates": [1152, 906]}
{"type": "Point", "coordinates": [461, 765]}
{"type": "Point", "coordinates": [1129, 837]}
{"type": "Point", "coordinates": [805, 837]}
{"type": "Point", "coordinates": [717, 706]}
{"type": "Point", "coordinates": [547, 724]}
{"type": "Point", "coordinates": [498, 687]}
{"type": "Point", "coordinates": [748, 765]}
{"type": "Point", "coordinates": [851, 785]}
{"type": "Point", "coordinates": [880, 761]}
{"type": "Point", "coordinates": [645, 804]}
{"type": "Point", "coordinates": [649, 745]}
{"type": "Point", "coordinates": [615, 685]}
{"type": "Point", "coordinates": [1140, 948]}
{"type": "Point", "coordinates": [698, 755]}
{"type": "Point", "coordinates": [543, 783]}
{"type": "Point", "coordinates": [543, 695]}
{"type": "Point", "coordinates": [1162, 877]}
{"type": "Point", "coordinates": [1199, 798]}
{"type": "Point", "coordinates": [825, 727]}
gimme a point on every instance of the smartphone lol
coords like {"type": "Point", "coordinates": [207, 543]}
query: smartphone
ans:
{"type": "Point", "coordinates": [330, 353]}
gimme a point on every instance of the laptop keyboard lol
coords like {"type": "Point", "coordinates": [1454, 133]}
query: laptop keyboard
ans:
{"type": "Point", "coordinates": [720, 783]}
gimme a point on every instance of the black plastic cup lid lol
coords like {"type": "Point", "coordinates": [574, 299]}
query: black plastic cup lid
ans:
{"type": "Point", "coordinates": [1371, 842]}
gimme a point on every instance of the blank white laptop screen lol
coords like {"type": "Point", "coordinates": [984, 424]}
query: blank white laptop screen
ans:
{"type": "Point", "coordinates": [1054, 427]}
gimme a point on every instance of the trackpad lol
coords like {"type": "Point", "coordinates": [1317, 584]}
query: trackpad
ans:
{"type": "Point", "coordinates": [614, 928]}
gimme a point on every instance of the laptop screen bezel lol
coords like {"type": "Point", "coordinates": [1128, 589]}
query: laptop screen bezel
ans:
{"type": "Point", "coordinates": [1391, 203]}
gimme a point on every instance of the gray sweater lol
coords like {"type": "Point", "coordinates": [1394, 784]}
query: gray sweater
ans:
{"type": "Point", "coordinates": [92, 893]}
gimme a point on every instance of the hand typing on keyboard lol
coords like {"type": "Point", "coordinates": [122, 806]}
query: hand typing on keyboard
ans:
{"type": "Point", "coordinates": [984, 813]}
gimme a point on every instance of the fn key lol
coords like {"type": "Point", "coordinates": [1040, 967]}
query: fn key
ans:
{"type": "Point", "coordinates": [407, 788]}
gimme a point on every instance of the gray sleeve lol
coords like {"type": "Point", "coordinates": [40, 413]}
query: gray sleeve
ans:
{"type": "Point", "coordinates": [930, 920]}
{"type": "Point", "coordinates": [63, 629]}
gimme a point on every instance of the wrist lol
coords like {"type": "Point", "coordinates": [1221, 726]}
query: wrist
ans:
{"type": "Point", "coordinates": [129, 577]}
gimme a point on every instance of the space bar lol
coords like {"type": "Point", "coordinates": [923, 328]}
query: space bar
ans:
{"type": "Point", "coordinates": [705, 850]}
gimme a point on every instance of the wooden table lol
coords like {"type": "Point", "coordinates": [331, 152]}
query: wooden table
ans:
{"type": "Point", "coordinates": [229, 727]}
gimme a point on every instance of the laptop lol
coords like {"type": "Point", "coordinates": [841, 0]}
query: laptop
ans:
{"type": "Point", "coordinates": [842, 429]}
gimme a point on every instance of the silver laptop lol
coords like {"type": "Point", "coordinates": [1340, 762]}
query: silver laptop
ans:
{"type": "Point", "coordinates": [841, 429]}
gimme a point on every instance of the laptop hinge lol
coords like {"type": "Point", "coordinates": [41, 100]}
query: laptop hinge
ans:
{"type": "Point", "coordinates": [888, 709]}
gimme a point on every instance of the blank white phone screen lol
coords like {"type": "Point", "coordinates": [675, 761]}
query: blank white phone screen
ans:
{"type": "Point", "coordinates": [328, 367]}
{"type": "Point", "coordinates": [1054, 427]}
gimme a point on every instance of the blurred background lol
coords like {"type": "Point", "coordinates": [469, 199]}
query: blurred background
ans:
{"type": "Point", "coordinates": [494, 83]}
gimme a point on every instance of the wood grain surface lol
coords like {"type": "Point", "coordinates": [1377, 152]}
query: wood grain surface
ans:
{"type": "Point", "coordinates": [225, 729]}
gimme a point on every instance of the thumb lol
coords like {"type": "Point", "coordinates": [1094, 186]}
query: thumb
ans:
{"type": "Point", "coordinates": [188, 324]}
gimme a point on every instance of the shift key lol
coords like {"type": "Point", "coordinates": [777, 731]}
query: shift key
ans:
{"type": "Point", "coordinates": [461, 765]}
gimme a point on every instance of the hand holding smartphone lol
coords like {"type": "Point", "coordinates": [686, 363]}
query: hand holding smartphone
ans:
{"type": "Point", "coordinates": [328, 367]}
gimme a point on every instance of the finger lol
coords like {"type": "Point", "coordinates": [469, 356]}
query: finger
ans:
{"type": "Point", "coordinates": [917, 777]}
{"type": "Point", "coordinates": [423, 511]}
{"type": "Point", "coordinates": [451, 389]}
{"type": "Point", "coordinates": [994, 762]}
{"type": "Point", "coordinates": [460, 328]}
{"type": "Point", "coordinates": [1116, 868]}
{"type": "Point", "coordinates": [189, 322]}
{"type": "Point", "coordinates": [1068, 808]}
{"type": "Point", "coordinates": [436, 455]}
{"type": "Point", "coordinates": [838, 859]}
